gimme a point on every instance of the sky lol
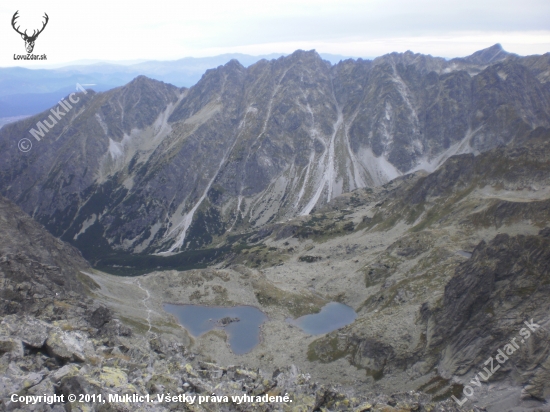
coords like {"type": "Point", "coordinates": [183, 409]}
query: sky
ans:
{"type": "Point", "coordinates": [170, 30]}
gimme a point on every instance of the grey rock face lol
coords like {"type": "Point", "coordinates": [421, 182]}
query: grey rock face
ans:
{"type": "Point", "coordinates": [68, 346]}
{"type": "Point", "coordinates": [34, 332]}
{"type": "Point", "coordinates": [100, 317]}
{"type": "Point", "coordinates": [152, 168]}
{"type": "Point", "coordinates": [486, 302]}
{"type": "Point", "coordinates": [37, 270]}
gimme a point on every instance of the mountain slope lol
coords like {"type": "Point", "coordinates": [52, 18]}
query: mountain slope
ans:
{"type": "Point", "coordinates": [155, 169]}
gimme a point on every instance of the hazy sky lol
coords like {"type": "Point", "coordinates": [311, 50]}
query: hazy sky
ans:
{"type": "Point", "coordinates": [168, 30]}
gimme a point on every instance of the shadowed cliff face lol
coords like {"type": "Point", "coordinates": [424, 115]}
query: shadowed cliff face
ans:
{"type": "Point", "coordinates": [35, 267]}
{"type": "Point", "coordinates": [152, 168]}
{"type": "Point", "coordinates": [505, 283]}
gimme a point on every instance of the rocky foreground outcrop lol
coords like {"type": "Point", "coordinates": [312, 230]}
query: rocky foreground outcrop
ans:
{"type": "Point", "coordinates": [113, 361]}
{"type": "Point", "coordinates": [501, 293]}
{"type": "Point", "coordinates": [499, 299]}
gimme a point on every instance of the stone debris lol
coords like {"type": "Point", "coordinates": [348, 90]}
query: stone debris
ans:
{"type": "Point", "coordinates": [79, 362]}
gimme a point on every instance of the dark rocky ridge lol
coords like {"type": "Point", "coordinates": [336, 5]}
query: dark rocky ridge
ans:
{"type": "Point", "coordinates": [37, 268]}
{"type": "Point", "coordinates": [505, 283]}
{"type": "Point", "coordinates": [149, 167]}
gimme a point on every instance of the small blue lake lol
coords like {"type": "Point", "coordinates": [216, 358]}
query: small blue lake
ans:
{"type": "Point", "coordinates": [241, 323]}
{"type": "Point", "coordinates": [332, 316]}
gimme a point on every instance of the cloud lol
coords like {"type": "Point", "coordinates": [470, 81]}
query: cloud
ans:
{"type": "Point", "coordinates": [127, 29]}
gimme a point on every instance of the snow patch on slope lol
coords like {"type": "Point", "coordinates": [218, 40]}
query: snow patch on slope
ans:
{"type": "Point", "coordinates": [270, 205]}
{"type": "Point", "coordinates": [138, 142]}
{"type": "Point", "coordinates": [237, 213]}
{"type": "Point", "coordinates": [188, 218]}
{"type": "Point", "coordinates": [306, 179]}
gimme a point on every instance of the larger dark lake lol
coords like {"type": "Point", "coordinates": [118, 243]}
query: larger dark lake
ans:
{"type": "Point", "coordinates": [243, 334]}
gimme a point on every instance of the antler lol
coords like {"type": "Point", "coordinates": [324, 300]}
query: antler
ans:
{"type": "Point", "coordinates": [43, 25]}
{"type": "Point", "coordinates": [15, 16]}
{"type": "Point", "coordinates": [34, 34]}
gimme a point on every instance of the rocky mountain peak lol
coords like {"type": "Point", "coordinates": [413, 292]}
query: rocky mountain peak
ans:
{"type": "Point", "coordinates": [303, 56]}
{"type": "Point", "coordinates": [135, 105]}
{"type": "Point", "coordinates": [491, 54]}
{"type": "Point", "coordinates": [234, 64]}
{"type": "Point", "coordinates": [144, 84]}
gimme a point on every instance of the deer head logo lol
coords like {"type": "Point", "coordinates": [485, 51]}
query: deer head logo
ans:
{"type": "Point", "coordinates": [29, 40]}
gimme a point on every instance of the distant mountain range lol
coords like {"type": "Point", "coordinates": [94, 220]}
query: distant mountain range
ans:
{"type": "Point", "coordinates": [30, 91]}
